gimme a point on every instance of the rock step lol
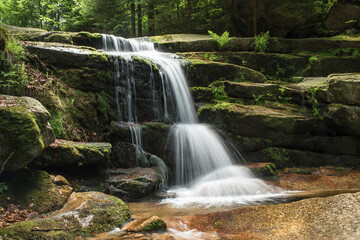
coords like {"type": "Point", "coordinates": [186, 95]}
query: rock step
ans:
{"type": "Point", "coordinates": [63, 154]}
{"type": "Point", "coordinates": [275, 45]}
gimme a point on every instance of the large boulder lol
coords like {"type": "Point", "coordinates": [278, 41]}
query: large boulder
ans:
{"type": "Point", "coordinates": [36, 188]}
{"type": "Point", "coordinates": [343, 88]}
{"type": "Point", "coordinates": [340, 16]}
{"type": "Point", "coordinates": [344, 119]}
{"type": "Point", "coordinates": [134, 183]}
{"type": "Point", "coordinates": [24, 131]}
{"type": "Point", "coordinates": [83, 214]}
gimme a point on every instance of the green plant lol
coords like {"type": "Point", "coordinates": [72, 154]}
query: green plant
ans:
{"type": "Point", "coordinates": [313, 60]}
{"type": "Point", "coordinates": [221, 40]}
{"type": "Point", "coordinates": [311, 97]}
{"type": "Point", "coordinates": [258, 99]}
{"type": "Point", "coordinates": [261, 42]}
{"type": "Point", "coordinates": [282, 97]}
{"type": "Point", "coordinates": [3, 187]}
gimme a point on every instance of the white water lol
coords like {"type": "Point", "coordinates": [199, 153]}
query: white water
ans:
{"type": "Point", "coordinates": [205, 170]}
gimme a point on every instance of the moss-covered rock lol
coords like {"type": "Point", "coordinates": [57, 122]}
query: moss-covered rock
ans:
{"type": "Point", "coordinates": [3, 38]}
{"type": "Point", "coordinates": [24, 131]}
{"type": "Point", "coordinates": [148, 224]}
{"type": "Point", "coordinates": [35, 187]}
{"type": "Point", "coordinates": [83, 214]}
{"type": "Point", "coordinates": [340, 15]}
{"type": "Point", "coordinates": [203, 73]}
{"type": "Point", "coordinates": [62, 154]}
{"type": "Point", "coordinates": [202, 94]}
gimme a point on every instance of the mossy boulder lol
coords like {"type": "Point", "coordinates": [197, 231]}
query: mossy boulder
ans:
{"type": "Point", "coordinates": [203, 73]}
{"type": "Point", "coordinates": [84, 214]}
{"type": "Point", "coordinates": [37, 188]}
{"type": "Point", "coordinates": [134, 183]}
{"type": "Point", "coordinates": [148, 224]}
{"type": "Point", "coordinates": [326, 65]}
{"type": "Point", "coordinates": [24, 131]}
{"type": "Point", "coordinates": [62, 154]}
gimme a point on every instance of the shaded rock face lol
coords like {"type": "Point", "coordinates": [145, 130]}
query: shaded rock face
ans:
{"type": "Point", "coordinates": [84, 213]}
{"type": "Point", "coordinates": [62, 154]}
{"type": "Point", "coordinates": [314, 132]}
{"type": "Point", "coordinates": [334, 217]}
{"type": "Point", "coordinates": [134, 183]}
{"type": "Point", "coordinates": [337, 20]}
{"type": "Point", "coordinates": [37, 188]}
{"type": "Point", "coordinates": [24, 131]}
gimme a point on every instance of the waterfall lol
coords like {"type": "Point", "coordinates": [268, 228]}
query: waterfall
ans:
{"type": "Point", "coordinates": [204, 164]}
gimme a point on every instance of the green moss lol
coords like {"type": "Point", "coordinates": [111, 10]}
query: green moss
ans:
{"type": "Point", "coordinates": [33, 186]}
{"type": "Point", "coordinates": [56, 123]}
{"type": "Point", "coordinates": [279, 156]}
{"type": "Point", "coordinates": [20, 137]}
{"type": "Point", "coordinates": [102, 105]}
{"type": "Point", "coordinates": [156, 225]}
{"type": "Point", "coordinates": [60, 37]}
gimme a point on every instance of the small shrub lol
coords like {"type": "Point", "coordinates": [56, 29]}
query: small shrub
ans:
{"type": "Point", "coordinates": [261, 41]}
{"type": "Point", "coordinates": [221, 40]}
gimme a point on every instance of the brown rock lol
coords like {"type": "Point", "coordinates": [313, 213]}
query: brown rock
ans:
{"type": "Point", "coordinates": [153, 223]}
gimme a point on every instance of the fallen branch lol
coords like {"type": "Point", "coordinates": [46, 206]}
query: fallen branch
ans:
{"type": "Point", "coordinates": [2, 167]}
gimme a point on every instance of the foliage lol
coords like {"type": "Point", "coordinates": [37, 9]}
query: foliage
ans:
{"type": "Point", "coordinates": [13, 77]}
{"type": "Point", "coordinates": [311, 97]}
{"type": "Point", "coordinates": [3, 187]}
{"type": "Point", "coordinates": [221, 40]}
{"type": "Point", "coordinates": [261, 42]}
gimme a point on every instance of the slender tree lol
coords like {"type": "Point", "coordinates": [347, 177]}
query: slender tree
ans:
{"type": "Point", "coordinates": [133, 28]}
{"type": "Point", "coordinates": [151, 20]}
{"type": "Point", "coordinates": [189, 11]}
{"type": "Point", "coordinates": [139, 19]}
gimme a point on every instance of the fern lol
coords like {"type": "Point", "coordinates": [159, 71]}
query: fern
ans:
{"type": "Point", "coordinates": [221, 40]}
{"type": "Point", "coordinates": [261, 41]}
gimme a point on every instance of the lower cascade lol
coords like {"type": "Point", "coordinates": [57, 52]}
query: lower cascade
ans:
{"type": "Point", "coordinates": [205, 166]}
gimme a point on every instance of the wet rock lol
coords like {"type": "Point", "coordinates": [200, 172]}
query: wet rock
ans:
{"type": "Point", "coordinates": [326, 65]}
{"type": "Point", "coordinates": [62, 154]}
{"type": "Point", "coordinates": [148, 224]}
{"type": "Point", "coordinates": [24, 131]}
{"type": "Point", "coordinates": [203, 73]}
{"type": "Point", "coordinates": [252, 90]}
{"type": "Point", "coordinates": [83, 214]}
{"type": "Point", "coordinates": [333, 217]}
{"type": "Point", "coordinates": [123, 155]}
{"type": "Point", "coordinates": [134, 183]}
{"type": "Point", "coordinates": [36, 188]}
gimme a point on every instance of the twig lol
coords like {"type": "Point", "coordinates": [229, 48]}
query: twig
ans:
{"type": "Point", "coordinates": [2, 167]}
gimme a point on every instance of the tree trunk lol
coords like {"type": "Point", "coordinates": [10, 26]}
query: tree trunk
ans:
{"type": "Point", "coordinates": [139, 21]}
{"type": "Point", "coordinates": [254, 19]}
{"type": "Point", "coordinates": [133, 28]}
{"type": "Point", "coordinates": [189, 16]}
{"type": "Point", "coordinates": [151, 21]}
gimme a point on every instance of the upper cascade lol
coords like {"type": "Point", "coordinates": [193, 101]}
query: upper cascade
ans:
{"type": "Point", "coordinates": [112, 43]}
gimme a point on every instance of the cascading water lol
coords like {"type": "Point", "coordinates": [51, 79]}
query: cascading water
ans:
{"type": "Point", "coordinates": [205, 170]}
